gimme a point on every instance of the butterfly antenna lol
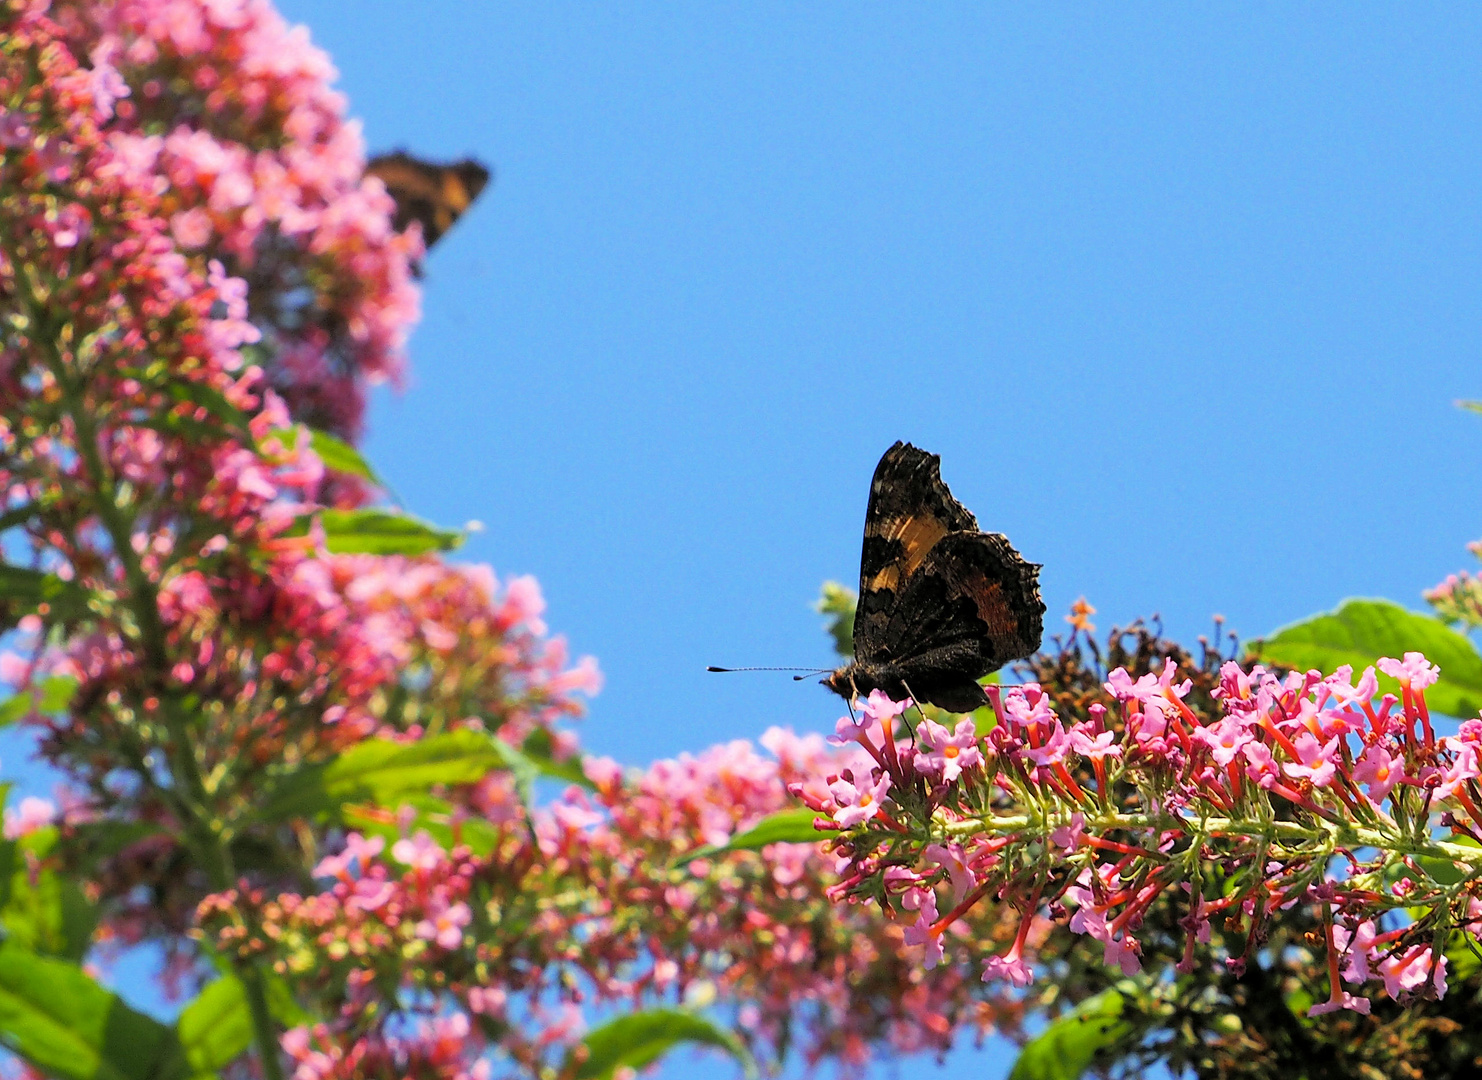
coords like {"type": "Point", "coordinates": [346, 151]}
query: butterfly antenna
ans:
{"type": "Point", "coordinates": [810, 674]}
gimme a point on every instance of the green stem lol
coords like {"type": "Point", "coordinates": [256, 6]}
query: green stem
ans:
{"type": "Point", "coordinates": [1331, 835]}
{"type": "Point", "coordinates": [203, 831]}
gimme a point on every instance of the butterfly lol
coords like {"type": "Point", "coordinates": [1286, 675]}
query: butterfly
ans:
{"type": "Point", "coordinates": [940, 603]}
{"type": "Point", "coordinates": [434, 194]}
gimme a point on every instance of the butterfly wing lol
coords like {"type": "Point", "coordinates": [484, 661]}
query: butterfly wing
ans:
{"type": "Point", "coordinates": [973, 606]}
{"type": "Point", "coordinates": [973, 587]}
{"type": "Point", "coordinates": [434, 194]}
{"type": "Point", "coordinates": [909, 512]}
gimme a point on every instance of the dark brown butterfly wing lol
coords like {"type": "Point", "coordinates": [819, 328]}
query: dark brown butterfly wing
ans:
{"type": "Point", "coordinates": [910, 510]}
{"type": "Point", "coordinates": [940, 603]}
{"type": "Point", "coordinates": [432, 193]}
{"type": "Point", "coordinates": [972, 607]}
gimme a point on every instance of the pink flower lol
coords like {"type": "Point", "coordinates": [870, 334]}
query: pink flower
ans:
{"type": "Point", "coordinates": [1119, 685]}
{"type": "Point", "coordinates": [789, 862]}
{"type": "Point", "coordinates": [33, 814]}
{"type": "Point", "coordinates": [1464, 767]}
{"type": "Point", "coordinates": [487, 1000]}
{"type": "Point", "coordinates": [857, 804]}
{"type": "Point", "coordinates": [921, 932]}
{"type": "Point", "coordinates": [1349, 694]}
{"type": "Point", "coordinates": [444, 924]}
{"type": "Point", "coordinates": [1380, 770]}
{"type": "Point", "coordinates": [1341, 999]}
{"type": "Point", "coordinates": [585, 678]}
{"type": "Point", "coordinates": [14, 670]}
{"type": "Point", "coordinates": [370, 894]}
{"type": "Point", "coordinates": [1225, 739]}
{"type": "Point", "coordinates": [69, 226]}
{"type": "Point", "coordinates": [952, 858]}
{"type": "Point", "coordinates": [1088, 742]}
{"type": "Point", "coordinates": [14, 131]}
{"type": "Point", "coordinates": [1355, 946]}
{"type": "Point", "coordinates": [523, 603]}
{"type": "Point", "coordinates": [191, 228]}
{"type": "Point", "coordinates": [1260, 766]}
{"type": "Point", "coordinates": [1317, 764]}
{"type": "Point", "coordinates": [358, 847]}
{"type": "Point", "coordinates": [1411, 969]}
{"type": "Point", "coordinates": [1026, 707]}
{"type": "Point", "coordinates": [107, 84]}
{"type": "Point", "coordinates": [1123, 953]}
{"type": "Point", "coordinates": [421, 852]}
{"type": "Point", "coordinates": [847, 729]}
{"type": "Point", "coordinates": [1087, 918]}
{"type": "Point", "coordinates": [1054, 745]}
{"type": "Point", "coordinates": [947, 752]}
{"type": "Point", "coordinates": [1415, 671]}
{"type": "Point", "coordinates": [1068, 837]}
{"type": "Point", "coordinates": [879, 706]}
{"type": "Point", "coordinates": [1011, 966]}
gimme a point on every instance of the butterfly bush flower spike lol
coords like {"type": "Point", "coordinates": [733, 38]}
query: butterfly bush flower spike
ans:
{"type": "Point", "coordinates": [1294, 790]}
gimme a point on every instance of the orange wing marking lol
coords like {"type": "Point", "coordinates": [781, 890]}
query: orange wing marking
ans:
{"type": "Point", "coordinates": [918, 534]}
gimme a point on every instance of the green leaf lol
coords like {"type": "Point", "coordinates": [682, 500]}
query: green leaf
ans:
{"type": "Point", "coordinates": [1068, 1047]}
{"type": "Point", "coordinates": [44, 911]}
{"type": "Point", "coordinates": [791, 826]}
{"type": "Point", "coordinates": [8, 855]}
{"type": "Point", "coordinates": [15, 707]}
{"type": "Point", "coordinates": [78, 920]}
{"type": "Point", "coordinates": [1463, 963]}
{"type": "Point", "coordinates": [433, 815]}
{"type": "Point", "coordinates": [1361, 631]}
{"type": "Point", "coordinates": [61, 1021]}
{"type": "Point", "coordinates": [281, 1003]}
{"type": "Point", "coordinates": [381, 772]}
{"type": "Point", "coordinates": [231, 418]}
{"type": "Point", "coordinates": [51, 695]}
{"type": "Point", "coordinates": [1474, 406]}
{"type": "Point", "coordinates": [521, 768]}
{"type": "Point", "coordinates": [23, 591]}
{"type": "Point", "coordinates": [341, 456]}
{"type": "Point", "coordinates": [539, 747]}
{"type": "Point", "coordinates": [838, 602]}
{"type": "Point", "coordinates": [1443, 871]}
{"type": "Point", "coordinates": [641, 1038]}
{"type": "Point", "coordinates": [216, 1027]}
{"type": "Point", "coordinates": [382, 532]}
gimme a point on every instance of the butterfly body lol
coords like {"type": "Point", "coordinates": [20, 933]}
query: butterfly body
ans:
{"type": "Point", "coordinates": [941, 604]}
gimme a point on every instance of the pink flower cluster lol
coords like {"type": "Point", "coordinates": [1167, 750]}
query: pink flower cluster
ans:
{"type": "Point", "coordinates": [603, 906]}
{"type": "Point", "coordinates": [1310, 789]}
{"type": "Point", "coordinates": [375, 919]}
{"type": "Point", "coordinates": [437, 1049]}
{"type": "Point", "coordinates": [227, 114]}
{"type": "Point", "coordinates": [191, 267]}
{"type": "Point", "coordinates": [1458, 599]}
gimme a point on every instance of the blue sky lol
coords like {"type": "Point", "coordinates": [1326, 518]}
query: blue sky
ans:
{"type": "Point", "coordinates": [1182, 296]}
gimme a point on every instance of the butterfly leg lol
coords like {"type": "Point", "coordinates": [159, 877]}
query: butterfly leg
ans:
{"type": "Point", "coordinates": [916, 702]}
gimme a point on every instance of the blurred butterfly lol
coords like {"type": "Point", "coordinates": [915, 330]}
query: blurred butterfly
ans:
{"type": "Point", "coordinates": [940, 603]}
{"type": "Point", "coordinates": [436, 195]}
